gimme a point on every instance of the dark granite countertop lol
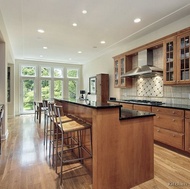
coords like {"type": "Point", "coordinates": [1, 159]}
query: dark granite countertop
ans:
{"type": "Point", "coordinates": [165, 105]}
{"type": "Point", "coordinates": [124, 113]}
{"type": "Point", "coordinates": [91, 104]}
{"type": "Point", "coordinates": [131, 114]}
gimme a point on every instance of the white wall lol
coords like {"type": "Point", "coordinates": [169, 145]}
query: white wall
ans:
{"type": "Point", "coordinates": [104, 64]}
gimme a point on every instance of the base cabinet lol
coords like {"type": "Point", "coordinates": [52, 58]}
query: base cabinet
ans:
{"type": "Point", "coordinates": [169, 127]}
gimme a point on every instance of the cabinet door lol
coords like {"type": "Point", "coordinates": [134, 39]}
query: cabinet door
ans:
{"type": "Point", "coordinates": [183, 59]}
{"type": "Point", "coordinates": [116, 73]}
{"type": "Point", "coordinates": [169, 49]}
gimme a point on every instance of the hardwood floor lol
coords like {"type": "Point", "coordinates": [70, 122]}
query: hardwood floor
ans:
{"type": "Point", "coordinates": [23, 163]}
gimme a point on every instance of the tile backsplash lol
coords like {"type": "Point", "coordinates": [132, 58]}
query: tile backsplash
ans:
{"type": "Point", "coordinates": [153, 88]}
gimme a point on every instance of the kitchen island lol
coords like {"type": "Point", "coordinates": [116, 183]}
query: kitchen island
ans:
{"type": "Point", "coordinates": [123, 153]}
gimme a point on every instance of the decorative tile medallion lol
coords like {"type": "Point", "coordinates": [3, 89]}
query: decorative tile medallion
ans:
{"type": "Point", "coordinates": [150, 87]}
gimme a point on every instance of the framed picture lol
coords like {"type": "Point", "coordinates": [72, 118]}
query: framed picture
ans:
{"type": "Point", "coordinates": [92, 85]}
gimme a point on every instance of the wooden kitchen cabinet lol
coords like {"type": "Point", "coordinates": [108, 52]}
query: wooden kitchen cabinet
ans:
{"type": "Point", "coordinates": [121, 65]}
{"type": "Point", "coordinates": [169, 126]}
{"type": "Point", "coordinates": [176, 59]}
{"type": "Point", "coordinates": [102, 87]}
{"type": "Point", "coordinates": [187, 131]}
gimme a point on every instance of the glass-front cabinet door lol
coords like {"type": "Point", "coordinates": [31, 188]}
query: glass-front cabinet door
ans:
{"type": "Point", "coordinates": [116, 72]}
{"type": "Point", "coordinates": [121, 66]}
{"type": "Point", "coordinates": [170, 61]}
{"type": "Point", "coordinates": [183, 66]}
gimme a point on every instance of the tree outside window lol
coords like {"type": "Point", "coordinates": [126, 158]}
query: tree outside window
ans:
{"type": "Point", "coordinates": [58, 89]}
{"type": "Point", "coordinates": [45, 72]}
{"type": "Point", "coordinates": [45, 89]}
{"type": "Point", "coordinates": [72, 84]}
{"type": "Point", "coordinates": [28, 71]}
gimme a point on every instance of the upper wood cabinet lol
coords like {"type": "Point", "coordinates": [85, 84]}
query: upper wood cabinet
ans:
{"type": "Point", "coordinates": [177, 59]}
{"type": "Point", "coordinates": [122, 64]}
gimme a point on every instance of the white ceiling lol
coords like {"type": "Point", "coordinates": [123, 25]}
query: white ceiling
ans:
{"type": "Point", "coordinates": [108, 20]}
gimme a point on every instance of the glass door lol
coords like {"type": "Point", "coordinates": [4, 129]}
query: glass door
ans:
{"type": "Point", "coordinates": [27, 96]}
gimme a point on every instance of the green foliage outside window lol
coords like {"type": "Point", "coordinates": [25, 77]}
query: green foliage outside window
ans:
{"type": "Point", "coordinates": [45, 89]}
{"type": "Point", "coordinates": [28, 92]}
{"type": "Point", "coordinates": [72, 73]}
{"type": "Point", "coordinates": [72, 89]}
{"type": "Point", "coordinates": [45, 71]}
{"type": "Point", "coordinates": [58, 73]}
{"type": "Point", "coordinates": [58, 86]}
{"type": "Point", "coordinates": [28, 71]}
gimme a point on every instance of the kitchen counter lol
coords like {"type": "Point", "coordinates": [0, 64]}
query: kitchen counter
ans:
{"type": "Point", "coordinates": [123, 112]}
{"type": "Point", "coordinates": [133, 114]}
{"type": "Point", "coordinates": [123, 145]}
{"type": "Point", "coordinates": [166, 105]}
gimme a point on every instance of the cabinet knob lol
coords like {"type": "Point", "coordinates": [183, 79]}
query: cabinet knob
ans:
{"type": "Point", "coordinates": [158, 130]}
{"type": "Point", "coordinates": [157, 110]}
{"type": "Point", "coordinates": [158, 117]}
{"type": "Point", "coordinates": [173, 120]}
{"type": "Point", "coordinates": [173, 112]}
{"type": "Point", "coordinates": [173, 135]}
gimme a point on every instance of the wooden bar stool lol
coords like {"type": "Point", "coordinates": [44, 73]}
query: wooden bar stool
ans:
{"type": "Point", "coordinates": [52, 131]}
{"type": "Point", "coordinates": [71, 141]}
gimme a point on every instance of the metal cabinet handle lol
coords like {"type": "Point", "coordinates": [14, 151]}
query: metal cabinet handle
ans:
{"type": "Point", "coordinates": [173, 120]}
{"type": "Point", "coordinates": [173, 135]}
{"type": "Point", "coordinates": [158, 130]}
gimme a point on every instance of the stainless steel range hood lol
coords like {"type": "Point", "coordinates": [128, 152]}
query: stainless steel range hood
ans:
{"type": "Point", "coordinates": [145, 66]}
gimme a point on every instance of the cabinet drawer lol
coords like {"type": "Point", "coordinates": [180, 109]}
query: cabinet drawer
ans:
{"type": "Point", "coordinates": [168, 111]}
{"type": "Point", "coordinates": [142, 108]}
{"type": "Point", "coordinates": [187, 114]}
{"type": "Point", "coordinates": [169, 122]}
{"type": "Point", "coordinates": [169, 137]}
{"type": "Point", "coordinates": [128, 106]}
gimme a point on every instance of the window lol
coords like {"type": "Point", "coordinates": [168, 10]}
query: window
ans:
{"type": "Point", "coordinates": [28, 71]}
{"type": "Point", "coordinates": [58, 89]}
{"type": "Point", "coordinates": [45, 72]}
{"type": "Point", "coordinates": [45, 89]}
{"type": "Point", "coordinates": [58, 72]}
{"type": "Point", "coordinates": [44, 82]}
{"type": "Point", "coordinates": [72, 73]}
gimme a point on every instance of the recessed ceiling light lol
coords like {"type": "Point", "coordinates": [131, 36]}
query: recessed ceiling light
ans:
{"type": "Point", "coordinates": [41, 31]}
{"type": "Point", "coordinates": [137, 20]}
{"type": "Point", "coordinates": [84, 11]}
{"type": "Point", "coordinates": [74, 24]}
{"type": "Point", "coordinates": [79, 52]}
{"type": "Point", "coordinates": [102, 42]}
{"type": "Point", "coordinates": [44, 47]}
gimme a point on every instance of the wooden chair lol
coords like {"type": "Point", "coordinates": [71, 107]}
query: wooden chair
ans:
{"type": "Point", "coordinates": [36, 111]}
{"type": "Point", "coordinates": [71, 141]}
